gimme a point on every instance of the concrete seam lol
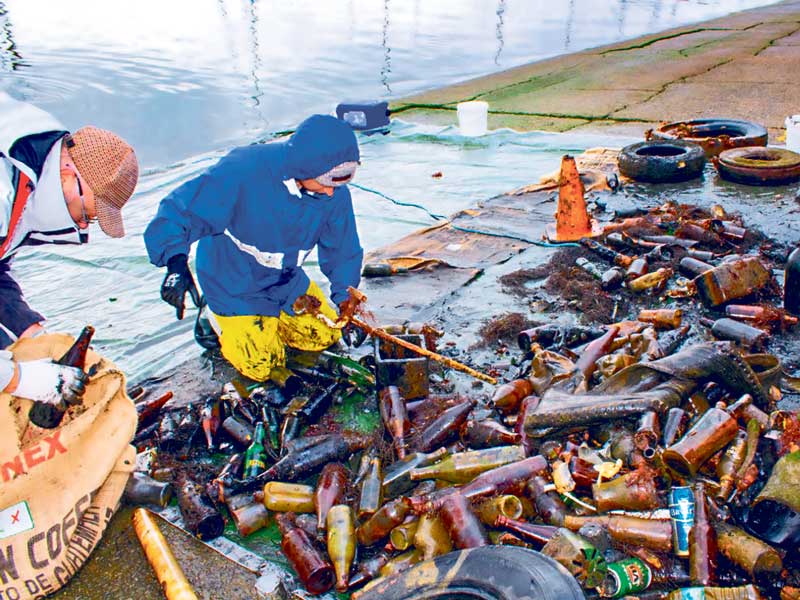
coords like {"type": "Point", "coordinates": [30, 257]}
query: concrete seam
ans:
{"type": "Point", "coordinates": [772, 42]}
{"type": "Point", "coordinates": [606, 117]}
{"type": "Point", "coordinates": [667, 85]}
{"type": "Point", "coordinates": [663, 38]}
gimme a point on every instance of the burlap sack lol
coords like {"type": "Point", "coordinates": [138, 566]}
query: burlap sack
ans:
{"type": "Point", "coordinates": [59, 487]}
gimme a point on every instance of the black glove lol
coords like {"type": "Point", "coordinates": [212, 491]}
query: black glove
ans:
{"type": "Point", "coordinates": [178, 281]}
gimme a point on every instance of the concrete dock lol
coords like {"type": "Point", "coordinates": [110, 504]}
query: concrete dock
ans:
{"type": "Point", "coordinates": [743, 66]}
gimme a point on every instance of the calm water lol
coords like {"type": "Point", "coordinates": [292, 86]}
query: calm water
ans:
{"type": "Point", "coordinates": [184, 80]}
{"type": "Point", "coordinates": [182, 77]}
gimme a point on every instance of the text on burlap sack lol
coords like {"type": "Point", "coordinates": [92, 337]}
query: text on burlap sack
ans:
{"type": "Point", "coordinates": [57, 553]}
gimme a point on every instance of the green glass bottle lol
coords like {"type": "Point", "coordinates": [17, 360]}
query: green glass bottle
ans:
{"type": "Point", "coordinates": [256, 456]}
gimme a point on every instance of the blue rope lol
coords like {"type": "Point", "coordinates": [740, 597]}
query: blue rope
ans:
{"type": "Point", "coordinates": [436, 217]}
{"type": "Point", "coordinates": [411, 204]}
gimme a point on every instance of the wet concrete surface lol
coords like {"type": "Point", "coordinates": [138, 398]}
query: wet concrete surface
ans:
{"type": "Point", "coordinates": [733, 67]}
{"type": "Point", "coordinates": [118, 568]}
{"type": "Point", "coordinates": [775, 212]}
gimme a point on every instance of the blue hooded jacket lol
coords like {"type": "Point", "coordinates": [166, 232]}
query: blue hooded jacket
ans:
{"type": "Point", "coordinates": [254, 233]}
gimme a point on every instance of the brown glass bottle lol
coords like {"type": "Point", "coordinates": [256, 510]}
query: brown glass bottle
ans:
{"type": "Point", "coordinates": [729, 465]}
{"type": "Point", "coordinates": [397, 476]}
{"type": "Point", "coordinates": [487, 433]}
{"type": "Point", "coordinates": [508, 396]}
{"type": "Point", "coordinates": [368, 569]}
{"type": "Point", "coordinates": [531, 532]}
{"type": "Point", "coordinates": [646, 437]}
{"type": "Point", "coordinates": [637, 268]}
{"type": "Point", "coordinates": [510, 479]}
{"type": "Point", "coordinates": [395, 418]}
{"type": "Point", "coordinates": [431, 537]}
{"type": "Point", "coordinates": [330, 491]}
{"type": "Point", "coordinates": [761, 561]}
{"type": "Point", "coordinates": [341, 538]}
{"type": "Point", "coordinates": [48, 416]}
{"type": "Point", "coordinates": [702, 542]}
{"type": "Point", "coordinates": [662, 318]}
{"type": "Point", "coordinates": [371, 497]}
{"type": "Point", "coordinates": [761, 315]}
{"type": "Point", "coordinates": [465, 530]}
{"type": "Point", "coordinates": [443, 428]}
{"type": "Point", "coordinates": [674, 426]}
{"type": "Point", "coordinates": [280, 496]}
{"type": "Point", "coordinates": [791, 283]}
{"type": "Point", "coordinates": [712, 432]}
{"type": "Point", "coordinates": [76, 355]}
{"type": "Point", "coordinates": [655, 534]}
{"type": "Point", "coordinates": [633, 491]}
{"type": "Point", "coordinates": [238, 431]}
{"type": "Point", "coordinates": [314, 571]}
{"type": "Point", "coordinates": [378, 526]}
{"type": "Point", "coordinates": [463, 467]}
{"type": "Point", "coordinates": [548, 504]}
{"type": "Point", "coordinates": [148, 411]}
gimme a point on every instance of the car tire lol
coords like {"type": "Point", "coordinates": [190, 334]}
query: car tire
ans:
{"type": "Point", "coordinates": [487, 573]}
{"type": "Point", "coordinates": [759, 166]}
{"type": "Point", "coordinates": [714, 135]}
{"type": "Point", "coordinates": [660, 162]}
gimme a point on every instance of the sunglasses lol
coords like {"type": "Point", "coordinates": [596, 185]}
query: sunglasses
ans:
{"type": "Point", "coordinates": [84, 217]}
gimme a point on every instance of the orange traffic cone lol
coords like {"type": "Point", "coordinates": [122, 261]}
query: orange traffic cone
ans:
{"type": "Point", "coordinates": [572, 218]}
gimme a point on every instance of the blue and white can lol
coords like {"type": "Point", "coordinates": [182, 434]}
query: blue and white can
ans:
{"type": "Point", "coordinates": [681, 510]}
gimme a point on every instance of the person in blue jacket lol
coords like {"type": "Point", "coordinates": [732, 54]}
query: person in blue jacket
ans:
{"type": "Point", "coordinates": [257, 215]}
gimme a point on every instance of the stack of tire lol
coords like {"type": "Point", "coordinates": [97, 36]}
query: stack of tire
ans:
{"type": "Point", "coordinates": [678, 152]}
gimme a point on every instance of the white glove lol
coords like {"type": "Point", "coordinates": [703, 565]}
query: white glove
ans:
{"type": "Point", "coordinates": [45, 381]}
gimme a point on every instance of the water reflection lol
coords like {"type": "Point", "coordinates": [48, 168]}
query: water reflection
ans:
{"type": "Point", "coordinates": [570, 22]}
{"type": "Point", "coordinates": [622, 10]}
{"type": "Point", "coordinates": [501, 9]}
{"type": "Point", "coordinates": [10, 58]}
{"type": "Point", "coordinates": [184, 77]}
{"type": "Point", "coordinates": [655, 19]}
{"type": "Point", "coordinates": [256, 63]}
{"type": "Point", "coordinates": [387, 51]}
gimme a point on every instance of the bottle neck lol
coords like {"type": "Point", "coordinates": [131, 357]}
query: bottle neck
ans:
{"type": "Point", "coordinates": [258, 435]}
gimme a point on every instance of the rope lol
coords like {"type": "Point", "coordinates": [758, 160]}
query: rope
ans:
{"type": "Point", "coordinates": [437, 217]}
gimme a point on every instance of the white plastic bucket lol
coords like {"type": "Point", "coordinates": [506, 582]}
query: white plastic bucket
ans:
{"type": "Point", "coordinates": [473, 117]}
{"type": "Point", "coordinates": [793, 133]}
